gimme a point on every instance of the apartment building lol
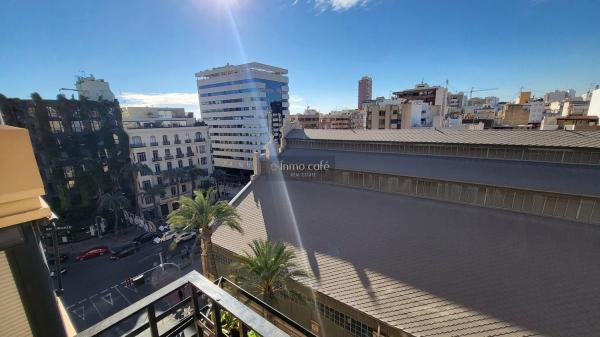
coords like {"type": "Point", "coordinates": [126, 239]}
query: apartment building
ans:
{"type": "Point", "coordinates": [244, 106]}
{"type": "Point", "coordinates": [458, 100]}
{"type": "Point", "coordinates": [559, 96]}
{"type": "Point", "coordinates": [433, 95]}
{"type": "Point", "coordinates": [365, 90]}
{"type": "Point", "coordinates": [175, 147]}
{"type": "Point", "coordinates": [399, 114]}
{"type": "Point", "coordinates": [335, 120]}
{"type": "Point", "coordinates": [94, 89]}
{"type": "Point", "coordinates": [575, 107]}
{"type": "Point", "coordinates": [307, 120]}
{"type": "Point", "coordinates": [74, 175]}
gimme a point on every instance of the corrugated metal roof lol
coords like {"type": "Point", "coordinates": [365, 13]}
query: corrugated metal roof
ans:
{"type": "Point", "coordinates": [555, 138]}
{"type": "Point", "coordinates": [428, 267]}
{"type": "Point", "coordinates": [548, 177]}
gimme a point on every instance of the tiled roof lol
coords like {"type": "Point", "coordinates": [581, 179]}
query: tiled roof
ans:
{"type": "Point", "coordinates": [546, 138]}
{"type": "Point", "coordinates": [548, 177]}
{"type": "Point", "coordinates": [428, 267]}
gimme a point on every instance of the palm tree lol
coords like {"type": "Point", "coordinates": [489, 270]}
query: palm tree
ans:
{"type": "Point", "coordinates": [131, 171]}
{"type": "Point", "coordinates": [177, 175]}
{"type": "Point", "coordinates": [113, 202]}
{"type": "Point", "coordinates": [195, 173]}
{"type": "Point", "coordinates": [218, 175]}
{"type": "Point", "coordinates": [268, 269]}
{"type": "Point", "coordinates": [155, 191]}
{"type": "Point", "coordinates": [204, 214]}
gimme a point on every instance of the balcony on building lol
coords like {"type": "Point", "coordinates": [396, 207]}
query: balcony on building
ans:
{"type": "Point", "coordinates": [166, 142]}
{"type": "Point", "coordinates": [177, 141]}
{"type": "Point", "coordinates": [153, 143]}
{"type": "Point", "coordinates": [156, 159]}
{"type": "Point", "coordinates": [168, 157]}
{"type": "Point", "coordinates": [188, 141]}
{"type": "Point", "coordinates": [137, 145]}
{"type": "Point", "coordinates": [179, 155]}
{"type": "Point", "coordinates": [199, 140]}
{"type": "Point", "coordinates": [190, 154]}
{"type": "Point", "coordinates": [198, 313]}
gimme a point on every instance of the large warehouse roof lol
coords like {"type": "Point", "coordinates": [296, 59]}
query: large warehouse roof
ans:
{"type": "Point", "coordinates": [548, 177]}
{"type": "Point", "coordinates": [555, 138]}
{"type": "Point", "coordinates": [428, 267]}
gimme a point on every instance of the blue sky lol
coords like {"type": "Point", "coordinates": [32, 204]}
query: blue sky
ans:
{"type": "Point", "coordinates": [149, 49]}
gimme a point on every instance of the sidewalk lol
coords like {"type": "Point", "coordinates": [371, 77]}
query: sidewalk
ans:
{"type": "Point", "coordinates": [109, 240]}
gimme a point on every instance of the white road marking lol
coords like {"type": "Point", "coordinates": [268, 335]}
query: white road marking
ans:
{"type": "Point", "coordinates": [120, 293]}
{"type": "Point", "coordinates": [107, 298]}
{"type": "Point", "coordinates": [95, 307]}
{"type": "Point", "coordinates": [79, 312]}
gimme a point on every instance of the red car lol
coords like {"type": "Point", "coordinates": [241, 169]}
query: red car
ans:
{"type": "Point", "coordinates": [92, 252]}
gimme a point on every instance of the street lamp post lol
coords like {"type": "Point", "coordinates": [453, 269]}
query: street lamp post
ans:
{"type": "Point", "coordinates": [56, 258]}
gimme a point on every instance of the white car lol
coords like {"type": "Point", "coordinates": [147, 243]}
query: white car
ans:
{"type": "Point", "coordinates": [168, 236]}
{"type": "Point", "coordinates": [185, 236]}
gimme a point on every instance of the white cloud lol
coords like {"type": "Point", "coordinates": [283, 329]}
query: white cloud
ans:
{"type": "Point", "coordinates": [189, 101]}
{"type": "Point", "coordinates": [338, 5]}
{"type": "Point", "coordinates": [297, 104]}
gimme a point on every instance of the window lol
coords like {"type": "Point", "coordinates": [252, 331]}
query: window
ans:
{"type": "Point", "coordinates": [203, 161]}
{"type": "Point", "coordinates": [70, 184]}
{"type": "Point", "coordinates": [68, 171]}
{"type": "Point", "coordinates": [52, 113]}
{"type": "Point", "coordinates": [165, 140]}
{"type": "Point", "coordinates": [179, 153]}
{"type": "Point", "coordinates": [183, 188]}
{"type": "Point", "coordinates": [95, 125]}
{"type": "Point", "coordinates": [77, 126]}
{"type": "Point", "coordinates": [167, 152]}
{"type": "Point", "coordinates": [180, 163]}
{"type": "Point", "coordinates": [154, 154]}
{"type": "Point", "coordinates": [146, 184]}
{"type": "Point", "coordinates": [190, 162]}
{"type": "Point", "coordinates": [149, 199]}
{"type": "Point", "coordinates": [141, 156]}
{"type": "Point", "coordinates": [173, 190]}
{"type": "Point", "coordinates": [189, 149]}
{"type": "Point", "coordinates": [152, 140]}
{"type": "Point", "coordinates": [156, 168]}
{"type": "Point", "coordinates": [169, 165]}
{"type": "Point", "coordinates": [136, 140]}
{"type": "Point", "coordinates": [201, 149]}
{"type": "Point", "coordinates": [56, 127]}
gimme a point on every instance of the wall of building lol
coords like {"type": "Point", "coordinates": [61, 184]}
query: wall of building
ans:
{"type": "Point", "coordinates": [243, 103]}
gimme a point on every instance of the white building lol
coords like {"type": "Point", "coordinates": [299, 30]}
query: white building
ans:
{"type": "Point", "coordinates": [94, 89]}
{"type": "Point", "coordinates": [458, 100]}
{"type": "Point", "coordinates": [168, 141]}
{"type": "Point", "coordinates": [594, 108]}
{"type": "Point", "coordinates": [243, 105]}
{"type": "Point", "coordinates": [536, 111]}
{"type": "Point", "coordinates": [559, 95]}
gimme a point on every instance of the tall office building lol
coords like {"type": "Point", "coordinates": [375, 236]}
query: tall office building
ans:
{"type": "Point", "coordinates": [242, 105]}
{"type": "Point", "coordinates": [365, 90]}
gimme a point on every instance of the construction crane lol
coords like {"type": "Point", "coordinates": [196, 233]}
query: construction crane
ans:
{"type": "Point", "coordinates": [476, 90]}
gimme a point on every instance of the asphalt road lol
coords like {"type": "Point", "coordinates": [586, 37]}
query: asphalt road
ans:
{"type": "Point", "coordinates": [95, 289]}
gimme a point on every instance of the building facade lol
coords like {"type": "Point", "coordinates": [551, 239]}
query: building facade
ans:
{"type": "Point", "coordinates": [365, 90]}
{"type": "Point", "coordinates": [80, 148]}
{"type": "Point", "coordinates": [94, 89]}
{"type": "Point", "coordinates": [175, 147]}
{"type": "Point", "coordinates": [244, 106]}
{"type": "Point", "coordinates": [559, 95]}
{"type": "Point", "coordinates": [400, 114]}
{"type": "Point", "coordinates": [307, 120]}
{"type": "Point", "coordinates": [458, 100]}
{"type": "Point", "coordinates": [433, 95]}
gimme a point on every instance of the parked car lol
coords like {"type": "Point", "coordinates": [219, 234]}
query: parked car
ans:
{"type": "Point", "coordinates": [144, 238]}
{"type": "Point", "coordinates": [123, 251]}
{"type": "Point", "coordinates": [185, 236]}
{"type": "Point", "coordinates": [168, 236]}
{"type": "Point", "coordinates": [63, 257]}
{"type": "Point", "coordinates": [92, 252]}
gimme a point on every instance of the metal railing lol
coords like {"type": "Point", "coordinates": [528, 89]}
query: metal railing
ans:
{"type": "Point", "coordinates": [156, 158]}
{"type": "Point", "coordinates": [153, 143]}
{"type": "Point", "coordinates": [207, 302]}
{"type": "Point", "coordinates": [136, 145]}
{"type": "Point", "coordinates": [168, 156]}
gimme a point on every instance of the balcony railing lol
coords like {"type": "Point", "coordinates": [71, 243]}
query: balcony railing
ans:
{"type": "Point", "coordinates": [179, 155]}
{"type": "Point", "coordinates": [136, 145]}
{"type": "Point", "coordinates": [199, 140]}
{"type": "Point", "coordinates": [188, 141]}
{"type": "Point", "coordinates": [199, 314]}
{"type": "Point", "coordinates": [153, 143]}
{"type": "Point", "coordinates": [168, 157]}
{"type": "Point", "coordinates": [177, 141]}
{"type": "Point", "coordinates": [190, 154]}
{"type": "Point", "coordinates": [166, 142]}
{"type": "Point", "coordinates": [156, 158]}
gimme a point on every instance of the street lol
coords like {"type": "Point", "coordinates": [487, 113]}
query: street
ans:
{"type": "Point", "coordinates": [96, 288]}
